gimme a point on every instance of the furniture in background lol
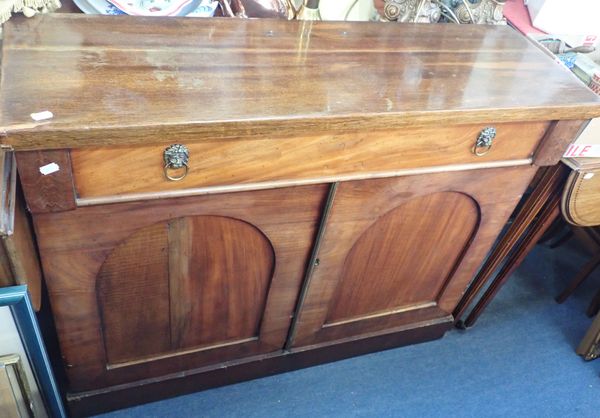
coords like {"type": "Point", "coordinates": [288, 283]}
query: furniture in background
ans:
{"type": "Point", "coordinates": [246, 197]}
{"type": "Point", "coordinates": [571, 186]}
{"type": "Point", "coordinates": [581, 207]}
{"type": "Point", "coordinates": [27, 385]}
{"type": "Point", "coordinates": [536, 214]}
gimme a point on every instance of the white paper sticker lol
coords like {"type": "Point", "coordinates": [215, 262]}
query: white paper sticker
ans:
{"type": "Point", "coordinates": [49, 169]}
{"type": "Point", "coordinates": [46, 114]}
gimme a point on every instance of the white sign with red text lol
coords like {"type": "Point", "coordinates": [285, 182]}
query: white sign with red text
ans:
{"type": "Point", "coordinates": [583, 150]}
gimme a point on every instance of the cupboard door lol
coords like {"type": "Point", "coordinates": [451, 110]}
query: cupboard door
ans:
{"type": "Point", "coordinates": [400, 252]}
{"type": "Point", "coordinates": [149, 288]}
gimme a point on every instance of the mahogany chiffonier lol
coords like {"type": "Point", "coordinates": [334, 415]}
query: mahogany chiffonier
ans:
{"type": "Point", "coordinates": [216, 200]}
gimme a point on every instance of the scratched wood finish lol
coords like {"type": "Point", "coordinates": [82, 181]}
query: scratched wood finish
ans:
{"type": "Point", "coordinates": [419, 284]}
{"type": "Point", "coordinates": [133, 80]}
{"type": "Point", "coordinates": [53, 192]}
{"type": "Point", "coordinates": [125, 170]}
{"type": "Point", "coordinates": [79, 268]}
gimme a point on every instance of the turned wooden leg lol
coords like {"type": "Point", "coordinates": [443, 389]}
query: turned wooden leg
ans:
{"type": "Point", "coordinates": [550, 184]}
{"type": "Point", "coordinates": [544, 221]}
{"type": "Point", "coordinates": [583, 274]}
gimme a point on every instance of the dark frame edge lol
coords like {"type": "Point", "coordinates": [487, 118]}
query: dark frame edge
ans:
{"type": "Point", "coordinates": [18, 300]}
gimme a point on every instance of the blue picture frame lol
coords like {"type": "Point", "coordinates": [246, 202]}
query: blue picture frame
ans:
{"type": "Point", "coordinates": [17, 299]}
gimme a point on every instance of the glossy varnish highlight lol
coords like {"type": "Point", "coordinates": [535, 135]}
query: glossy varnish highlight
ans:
{"type": "Point", "coordinates": [122, 80]}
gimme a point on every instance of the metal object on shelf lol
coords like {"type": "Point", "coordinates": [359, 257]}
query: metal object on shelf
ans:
{"type": "Point", "coordinates": [452, 11]}
{"type": "Point", "coordinates": [418, 11]}
{"type": "Point", "coordinates": [286, 9]}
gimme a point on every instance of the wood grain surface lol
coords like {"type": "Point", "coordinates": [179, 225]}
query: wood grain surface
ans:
{"type": "Point", "coordinates": [133, 296]}
{"type": "Point", "coordinates": [580, 203]}
{"type": "Point", "coordinates": [435, 230]}
{"type": "Point", "coordinates": [111, 171]}
{"type": "Point", "coordinates": [53, 192]}
{"type": "Point", "coordinates": [130, 80]}
{"type": "Point", "coordinates": [22, 256]}
{"type": "Point", "coordinates": [401, 261]}
{"type": "Point", "coordinates": [108, 280]}
{"type": "Point", "coordinates": [205, 277]}
{"type": "Point", "coordinates": [220, 270]}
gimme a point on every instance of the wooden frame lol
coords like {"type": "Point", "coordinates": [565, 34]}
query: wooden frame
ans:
{"type": "Point", "coordinates": [18, 300]}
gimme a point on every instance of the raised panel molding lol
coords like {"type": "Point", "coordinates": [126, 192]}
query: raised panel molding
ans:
{"type": "Point", "coordinates": [403, 260]}
{"type": "Point", "coordinates": [189, 283]}
{"type": "Point", "coordinates": [265, 241]}
{"type": "Point", "coordinates": [402, 250]}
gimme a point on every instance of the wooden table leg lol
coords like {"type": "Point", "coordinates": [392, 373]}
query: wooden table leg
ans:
{"type": "Point", "coordinates": [549, 185]}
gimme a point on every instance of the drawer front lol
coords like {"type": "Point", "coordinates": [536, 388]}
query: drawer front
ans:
{"type": "Point", "coordinates": [132, 170]}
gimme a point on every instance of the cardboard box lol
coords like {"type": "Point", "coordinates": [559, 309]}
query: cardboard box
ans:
{"type": "Point", "coordinates": [575, 17]}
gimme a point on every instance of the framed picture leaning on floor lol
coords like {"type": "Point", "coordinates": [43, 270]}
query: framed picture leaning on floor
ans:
{"type": "Point", "coordinates": [27, 385]}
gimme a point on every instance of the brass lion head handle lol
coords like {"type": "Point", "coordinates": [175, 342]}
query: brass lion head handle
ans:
{"type": "Point", "coordinates": [176, 159]}
{"type": "Point", "coordinates": [484, 142]}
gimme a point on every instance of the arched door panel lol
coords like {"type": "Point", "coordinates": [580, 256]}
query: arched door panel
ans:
{"type": "Point", "coordinates": [146, 289]}
{"type": "Point", "coordinates": [405, 257]}
{"type": "Point", "coordinates": [190, 282]}
{"type": "Point", "coordinates": [398, 253]}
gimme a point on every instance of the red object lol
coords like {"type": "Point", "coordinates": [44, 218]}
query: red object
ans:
{"type": "Point", "coordinates": [517, 14]}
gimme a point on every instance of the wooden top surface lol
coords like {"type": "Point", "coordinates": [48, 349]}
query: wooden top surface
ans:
{"type": "Point", "coordinates": [123, 80]}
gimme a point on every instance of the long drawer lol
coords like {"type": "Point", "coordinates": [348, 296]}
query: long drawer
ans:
{"type": "Point", "coordinates": [114, 171]}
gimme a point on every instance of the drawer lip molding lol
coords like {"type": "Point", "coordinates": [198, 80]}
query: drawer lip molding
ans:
{"type": "Point", "coordinates": [134, 197]}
